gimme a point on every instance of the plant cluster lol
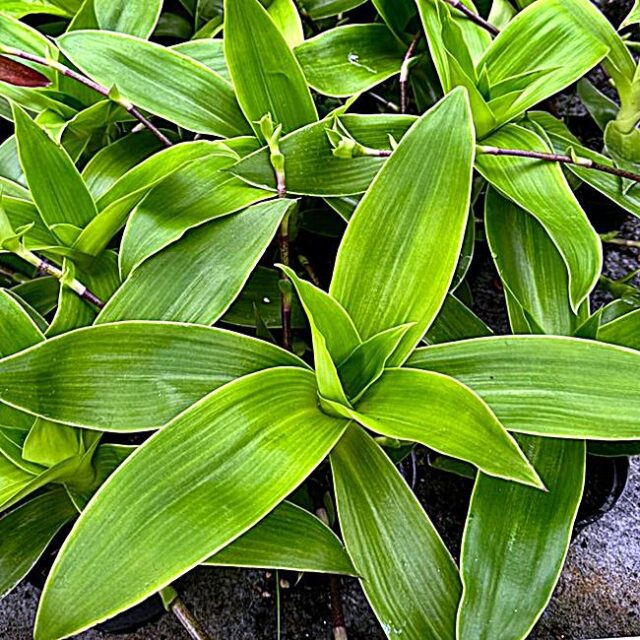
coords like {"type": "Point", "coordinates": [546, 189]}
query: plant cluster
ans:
{"type": "Point", "coordinates": [236, 239]}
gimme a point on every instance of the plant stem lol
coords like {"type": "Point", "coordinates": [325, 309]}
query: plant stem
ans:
{"type": "Point", "coordinates": [13, 276]}
{"type": "Point", "coordinates": [556, 157]}
{"type": "Point", "coordinates": [404, 73]}
{"type": "Point", "coordinates": [87, 82]}
{"type": "Point", "coordinates": [387, 103]}
{"type": "Point", "coordinates": [474, 17]}
{"type": "Point", "coordinates": [338, 624]}
{"type": "Point", "coordinates": [187, 619]}
{"type": "Point", "coordinates": [45, 267]}
{"type": "Point", "coordinates": [623, 242]}
{"type": "Point", "coordinates": [311, 272]}
{"type": "Point", "coordinates": [285, 296]}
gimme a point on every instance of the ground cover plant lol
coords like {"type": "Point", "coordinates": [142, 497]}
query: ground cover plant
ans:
{"type": "Point", "coordinates": [236, 239]}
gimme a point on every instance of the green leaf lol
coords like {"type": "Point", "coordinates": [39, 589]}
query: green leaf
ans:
{"type": "Point", "coordinates": [210, 265]}
{"type": "Point", "coordinates": [286, 17]}
{"type": "Point", "coordinates": [442, 414]}
{"type": "Point", "coordinates": [196, 193]}
{"type": "Point", "coordinates": [102, 278]}
{"type": "Point", "coordinates": [288, 538]}
{"type": "Point", "coordinates": [624, 331]}
{"type": "Point", "coordinates": [40, 294]}
{"type": "Point", "coordinates": [421, 192]}
{"type": "Point", "coordinates": [49, 443]}
{"type": "Point", "coordinates": [326, 317]}
{"type": "Point", "coordinates": [133, 17]}
{"type": "Point", "coordinates": [455, 322]}
{"type": "Point", "coordinates": [209, 52]}
{"type": "Point", "coordinates": [333, 333]}
{"type": "Point", "coordinates": [350, 59]}
{"type": "Point", "coordinates": [540, 188]}
{"type": "Point", "coordinates": [55, 184]}
{"type": "Point", "coordinates": [516, 540]}
{"type": "Point", "coordinates": [143, 373]}
{"type": "Point", "coordinates": [318, 9]}
{"type": "Point", "coordinates": [545, 36]}
{"type": "Point", "coordinates": [406, 571]}
{"type": "Point", "coordinates": [368, 360]}
{"type": "Point", "coordinates": [311, 167]}
{"type": "Point", "coordinates": [13, 479]}
{"type": "Point", "coordinates": [110, 163]}
{"type": "Point", "coordinates": [26, 532]}
{"type": "Point", "coordinates": [17, 330]}
{"type": "Point", "coordinates": [235, 452]}
{"type": "Point", "coordinates": [20, 35]}
{"type": "Point", "coordinates": [547, 385]}
{"type": "Point", "coordinates": [600, 107]}
{"type": "Point", "coordinates": [530, 267]}
{"type": "Point", "coordinates": [266, 76]}
{"type": "Point", "coordinates": [164, 82]}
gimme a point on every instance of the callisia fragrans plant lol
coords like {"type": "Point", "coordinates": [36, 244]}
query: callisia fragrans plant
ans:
{"type": "Point", "coordinates": [236, 239]}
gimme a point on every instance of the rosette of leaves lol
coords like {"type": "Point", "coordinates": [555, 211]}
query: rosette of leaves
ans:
{"type": "Point", "coordinates": [150, 237]}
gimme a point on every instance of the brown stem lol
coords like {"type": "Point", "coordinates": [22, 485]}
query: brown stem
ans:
{"type": "Point", "coordinates": [87, 82]}
{"type": "Point", "coordinates": [187, 620]}
{"type": "Point", "coordinates": [474, 17]}
{"type": "Point", "coordinates": [311, 272]}
{"type": "Point", "coordinates": [404, 73]}
{"type": "Point", "coordinates": [556, 157]}
{"type": "Point", "coordinates": [13, 276]}
{"type": "Point", "coordinates": [335, 593]}
{"type": "Point", "coordinates": [285, 296]}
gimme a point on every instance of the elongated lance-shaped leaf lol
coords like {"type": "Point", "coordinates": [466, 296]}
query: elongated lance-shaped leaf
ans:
{"type": "Point", "coordinates": [135, 18]}
{"type": "Point", "coordinates": [542, 50]}
{"type": "Point", "coordinates": [540, 188]}
{"type": "Point", "coordinates": [624, 331]}
{"type": "Point", "coordinates": [508, 582]}
{"type": "Point", "coordinates": [407, 573]}
{"type": "Point", "coordinates": [127, 190]}
{"type": "Point", "coordinates": [383, 277]}
{"type": "Point", "coordinates": [328, 317]}
{"type": "Point", "coordinates": [547, 385]}
{"type": "Point", "coordinates": [113, 161]}
{"type": "Point", "coordinates": [55, 184]}
{"type": "Point", "coordinates": [455, 322]}
{"type": "Point", "coordinates": [235, 452]}
{"type": "Point", "coordinates": [516, 540]}
{"type": "Point", "coordinates": [288, 538]}
{"type": "Point", "coordinates": [366, 363]}
{"type": "Point", "coordinates": [17, 330]}
{"type": "Point", "coordinates": [312, 168]}
{"type": "Point", "coordinates": [208, 51]}
{"type": "Point", "coordinates": [318, 9]}
{"type": "Point", "coordinates": [197, 193]}
{"type": "Point", "coordinates": [530, 267]}
{"type": "Point", "coordinates": [26, 532]}
{"type": "Point", "coordinates": [350, 59]}
{"type": "Point", "coordinates": [332, 332]}
{"type": "Point", "coordinates": [142, 373]}
{"type": "Point", "coordinates": [164, 82]}
{"type": "Point", "coordinates": [49, 443]}
{"type": "Point", "coordinates": [211, 265]}
{"type": "Point", "coordinates": [444, 415]}
{"type": "Point", "coordinates": [266, 75]}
